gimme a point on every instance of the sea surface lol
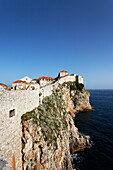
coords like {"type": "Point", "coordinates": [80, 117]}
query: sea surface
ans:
{"type": "Point", "coordinates": [97, 124]}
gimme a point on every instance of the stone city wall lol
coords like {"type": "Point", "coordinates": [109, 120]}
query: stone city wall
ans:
{"type": "Point", "coordinates": [67, 78]}
{"type": "Point", "coordinates": [12, 105]}
{"type": "Point", "coordinates": [47, 90]}
{"type": "Point", "coordinates": [80, 79]}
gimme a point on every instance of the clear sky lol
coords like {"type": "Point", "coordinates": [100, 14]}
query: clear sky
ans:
{"type": "Point", "coordinates": [43, 37]}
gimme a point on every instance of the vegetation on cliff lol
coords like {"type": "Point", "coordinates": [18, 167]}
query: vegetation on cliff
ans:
{"type": "Point", "coordinates": [48, 131]}
{"type": "Point", "coordinates": [74, 86]}
{"type": "Point", "coordinates": [51, 116]}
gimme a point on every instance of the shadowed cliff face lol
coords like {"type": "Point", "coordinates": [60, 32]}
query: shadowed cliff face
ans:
{"type": "Point", "coordinates": [49, 134]}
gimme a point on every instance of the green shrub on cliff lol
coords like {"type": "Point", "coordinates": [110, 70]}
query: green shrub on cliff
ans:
{"type": "Point", "coordinates": [29, 115]}
{"type": "Point", "coordinates": [51, 118]}
{"type": "Point", "coordinates": [72, 87]}
{"type": "Point", "coordinates": [79, 86]}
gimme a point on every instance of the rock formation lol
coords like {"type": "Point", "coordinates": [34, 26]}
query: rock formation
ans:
{"type": "Point", "coordinates": [76, 98]}
{"type": "Point", "coordinates": [48, 132]}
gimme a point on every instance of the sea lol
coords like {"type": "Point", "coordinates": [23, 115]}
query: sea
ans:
{"type": "Point", "coordinates": [98, 125]}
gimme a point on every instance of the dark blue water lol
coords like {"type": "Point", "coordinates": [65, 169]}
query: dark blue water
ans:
{"type": "Point", "coordinates": [99, 126]}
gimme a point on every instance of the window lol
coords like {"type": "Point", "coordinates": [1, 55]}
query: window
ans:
{"type": "Point", "coordinates": [12, 113]}
{"type": "Point", "coordinates": [33, 88]}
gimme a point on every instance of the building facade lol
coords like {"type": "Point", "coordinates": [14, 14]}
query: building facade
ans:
{"type": "Point", "coordinates": [62, 73]}
{"type": "Point", "coordinates": [43, 81]}
{"type": "Point", "coordinates": [27, 83]}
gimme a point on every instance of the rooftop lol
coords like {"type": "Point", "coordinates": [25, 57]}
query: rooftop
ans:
{"type": "Point", "coordinates": [64, 71]}
{"type": "Point", "coordinates": [46, 78]}
{"type": "Point", "coordinates": [5, 87]}
{"type": "Point", "coordinates": [20, 81]}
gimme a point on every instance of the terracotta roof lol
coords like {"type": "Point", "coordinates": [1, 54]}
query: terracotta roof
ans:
{"type": "Point", "coordinates": [63, 71]}
{"type": "Point", "coordinates": [20, 81]}
{"type": "Point", "coordinates": [8, 88]}
{"type": "Point", "coordinates": [5, 87]}
{"type": "Point", "coordinates": [46, 78]}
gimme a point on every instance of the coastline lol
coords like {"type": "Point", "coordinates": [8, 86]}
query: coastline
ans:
{"type": "Point", "coordinates": [98, 125]}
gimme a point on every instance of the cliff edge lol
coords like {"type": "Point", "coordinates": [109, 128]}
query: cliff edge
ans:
{"type": "Point", "coordinates": [48, 132]}
{"type": "Point", "coordinates": [76, 98]}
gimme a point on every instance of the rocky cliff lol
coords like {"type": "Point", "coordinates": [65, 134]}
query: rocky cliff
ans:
{"type": "Point", "coordinates": [48, 132]}
{"type": "Point", "coordinates": [76, 98]}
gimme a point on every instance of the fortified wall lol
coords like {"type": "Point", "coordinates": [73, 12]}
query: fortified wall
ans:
{"type": "Point", "coordinates": [15, 103]}
{"type": "Point", "coordinates": [12, 105]}
{"type": "Point", "coordinates": [47, 90]}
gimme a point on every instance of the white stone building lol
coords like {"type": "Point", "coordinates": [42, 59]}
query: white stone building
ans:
{"type": "Point", "coordinates": [25, 83]}
{"type": "Point", "coordinates": [79, 79]}
{"type": "Point", "coordinates": [44, 84]}
{"type": "Point", "coordinates": [63, 73]}
{"type": "Point", "coordinates": [45, 80]}
{"type": "Point", "coordinates": [26, 79]}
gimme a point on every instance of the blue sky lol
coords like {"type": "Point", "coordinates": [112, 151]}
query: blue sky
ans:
{"type": "Point", "coordinates": [43, 37]}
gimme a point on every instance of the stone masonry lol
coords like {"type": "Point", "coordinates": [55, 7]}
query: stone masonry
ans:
{"type": "Point", "coordinates": [10, 127]}
{"type": "Point", "coordinates": [12, 105]}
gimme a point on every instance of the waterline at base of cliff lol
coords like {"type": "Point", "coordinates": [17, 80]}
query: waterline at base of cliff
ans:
{"type": "Point", "coordinates": [98, 125]}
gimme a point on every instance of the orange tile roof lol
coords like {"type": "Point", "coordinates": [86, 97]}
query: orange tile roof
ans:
{"type": "Point", "coordinates": [46, 78]}
{"type": "Point", "coordinates": [5, 87]}
{"type": "Point", "coordinates": [63, 71]}
{"type": "Point", "coordinates": [20, 81]}
{"type": "Point", "coordinates": [8, 88]}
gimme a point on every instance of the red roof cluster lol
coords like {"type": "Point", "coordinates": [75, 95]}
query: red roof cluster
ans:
{"type": "Point", "coordinates": [5, 87]}
{"type": "Point", "coordinates": [20, 81]}
{"type": "Point", "coordinates": [63, 71]}
{"type": "Point", "coordinates": [8, 88]}
{"type": "Point", "coordinates": [46, 78]}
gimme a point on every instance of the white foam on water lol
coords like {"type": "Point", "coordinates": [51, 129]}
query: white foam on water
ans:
{"type": "Point", "coordinates": [91, 144]}
{"type": "Point", "coordinates": [87, 136]}
{"type": "Point", "coordinates": [74, 155]}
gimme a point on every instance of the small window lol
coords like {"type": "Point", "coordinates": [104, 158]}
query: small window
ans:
{"type": "Point", "coordinates": [12, 113]}
{"type": "Point", "coordinates": [33, 88]}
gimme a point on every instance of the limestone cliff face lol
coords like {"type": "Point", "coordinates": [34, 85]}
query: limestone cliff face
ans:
{"type": "Point", "coordinates": [49, 134]}
{"type": "Point", "coordinates": [75, 99]}
{"type": "Point", "coordinates": [81, 100]}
